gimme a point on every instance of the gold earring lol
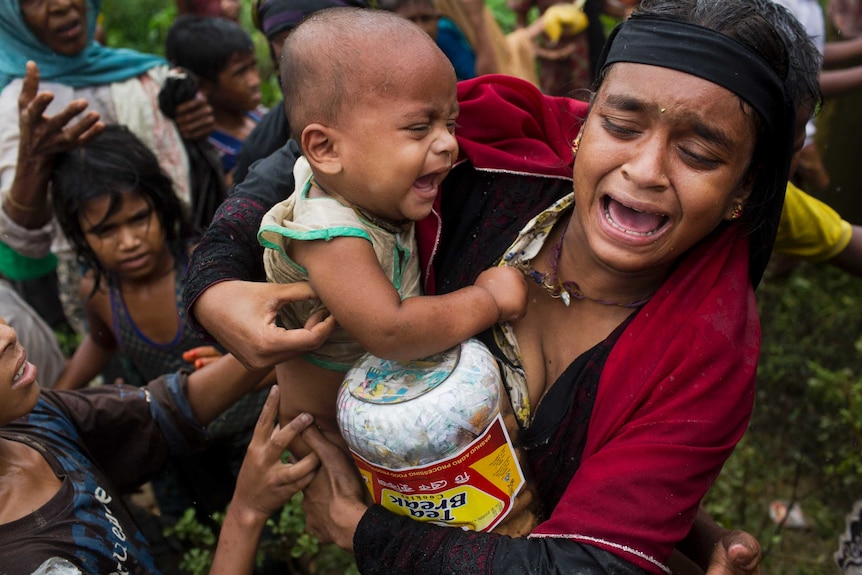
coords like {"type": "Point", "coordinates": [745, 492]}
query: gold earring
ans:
{"type": "Point", "coordinates": [736, 212]}
{"type": "Point", "coordinates": [577, 143]}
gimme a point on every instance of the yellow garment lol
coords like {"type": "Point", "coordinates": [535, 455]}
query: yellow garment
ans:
{"type": "Point", "coordinates": [565, 18]}
{"type": "Point", "coordinates": [809, 229]}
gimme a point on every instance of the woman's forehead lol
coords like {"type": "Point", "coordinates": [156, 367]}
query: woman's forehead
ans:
{"type": "Point", "coordinates": [681, 100]}
{"type": "Point", "coordinates": [648, 85]}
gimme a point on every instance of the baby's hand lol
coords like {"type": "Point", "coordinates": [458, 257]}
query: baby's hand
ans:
{"type": "Point", "coordinates": [509, 290]}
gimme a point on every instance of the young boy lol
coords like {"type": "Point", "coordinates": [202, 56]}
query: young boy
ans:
{"type": "Point", "coordinates": [375, 125]}
{"type": "Point", "coordinates": [221, 55]}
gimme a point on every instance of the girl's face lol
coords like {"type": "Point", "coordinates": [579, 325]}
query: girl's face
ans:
{"type": "Point", "coordinates": [18, 388]}
{"type": "Point", "coordinates": [59, 24]}
{"type": "Point", "coordinates": [663, 160]}
{"type": "Point", "coordinates": [130, 242]}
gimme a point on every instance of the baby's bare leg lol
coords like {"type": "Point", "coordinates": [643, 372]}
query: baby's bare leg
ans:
{"type": "Point", "coordinates": [307, 388]}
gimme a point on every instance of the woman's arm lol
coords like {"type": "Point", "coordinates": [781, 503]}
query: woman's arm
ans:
{"type": "Point", "coordinates": [227, 266]}
{"type": "Point", "coordinates": [264, 485]}
{"type": "Point", "coordinates": [390, 544]}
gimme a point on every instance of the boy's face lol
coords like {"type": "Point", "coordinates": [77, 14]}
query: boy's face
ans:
{"type": "Point", "coordinates": [396, 145]}
{"type": "Point", "coordinates": [18, 388]}
{"type": "Point", "coordinates": [237, 88]}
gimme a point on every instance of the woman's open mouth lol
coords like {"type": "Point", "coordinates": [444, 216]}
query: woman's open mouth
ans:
{"type": "Point", "coordinates": [69, 30]}
{"type": "Point", "coordinates": [631, 221]}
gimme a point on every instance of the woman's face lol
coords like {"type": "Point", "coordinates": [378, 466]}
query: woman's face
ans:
{"type": "Point", "coordinates": [663, 160]}
{"type": "Point", "coordinates": [59, 24]}
{"type": "Point", "coordinates": [18, 388]}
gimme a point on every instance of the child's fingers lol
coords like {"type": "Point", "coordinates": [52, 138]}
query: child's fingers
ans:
{"type": "Point", "coordinates": [205, 361]}
{"type": "Point", "coordinates": [301, 471]}
{"type": "Point", "coordinates": [266, 419]}
{"type": "Point", "coordinates": [202, 356]}
{"type": "Point", "coordinates": [283, 436]}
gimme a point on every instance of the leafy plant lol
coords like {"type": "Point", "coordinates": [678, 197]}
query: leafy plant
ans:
{"type": "Point", "coordinates": [284, 542]}
{"type": "Point", "coordinates": [804, 443]}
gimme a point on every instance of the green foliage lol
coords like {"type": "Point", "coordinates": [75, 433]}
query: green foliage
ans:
{"type": "Point", "coordinates": [68, 339]}
{"type": "Point", "coordinates": [804, 443]}
{"type": "Point", "coordinates": [138, 24]}
{"type": "Point", "coordinates": [285, 541]}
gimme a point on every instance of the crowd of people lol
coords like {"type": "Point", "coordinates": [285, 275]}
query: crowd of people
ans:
{"type": "Point", "coordinates": [418, 185]}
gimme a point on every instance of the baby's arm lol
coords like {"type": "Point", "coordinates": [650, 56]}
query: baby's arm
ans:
{"type": "Point", "coordinates": [347, 277]}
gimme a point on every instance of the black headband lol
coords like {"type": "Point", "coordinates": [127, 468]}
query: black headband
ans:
{"type": "Point", "coordinates": [704, 53]}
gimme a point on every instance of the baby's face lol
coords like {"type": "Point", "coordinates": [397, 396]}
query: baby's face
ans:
{"type": "Point", "coordinates": [397, 144]}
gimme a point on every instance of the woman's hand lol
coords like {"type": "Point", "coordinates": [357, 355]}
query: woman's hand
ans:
{"type": "Point", "coordinates": [334, 501]}
{"type": "Point", "coordinates": [737, 553]}
{"type": "Point", "coordinates": [241, 316]}
{"type": "Point", "coordinates": [49, 135]}
{"type": "Point", "coordinates": [41, 138]}
{"type": "Point", "coordinates": [264, 485]}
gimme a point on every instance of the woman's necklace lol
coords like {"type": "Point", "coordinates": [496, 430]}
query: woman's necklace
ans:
{"type": "Point", "coordinates": [566, 290]}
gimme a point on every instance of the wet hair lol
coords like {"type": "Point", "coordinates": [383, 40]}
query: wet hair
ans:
{"type": "Point", "coordinates": [113, 164]}
{"type": "Point", "coordinates": [754, 62]}
{"type": "Point", "coordinates": [339, 55]}
{"type": "Point", "coordinates": [204, 45]}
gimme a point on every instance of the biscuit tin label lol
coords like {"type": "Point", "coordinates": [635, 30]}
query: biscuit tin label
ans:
{"type": "Point", "coordinates": [473, 489]}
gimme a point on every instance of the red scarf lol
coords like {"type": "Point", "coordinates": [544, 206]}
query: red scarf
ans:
{"type": "Point", "coordinates": [674, 398]}
{"type": "Point", "coordinates": [507, 124]}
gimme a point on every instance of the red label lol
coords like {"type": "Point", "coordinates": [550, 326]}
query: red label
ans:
{"type": "Point", "coordinates": [473, 489]}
